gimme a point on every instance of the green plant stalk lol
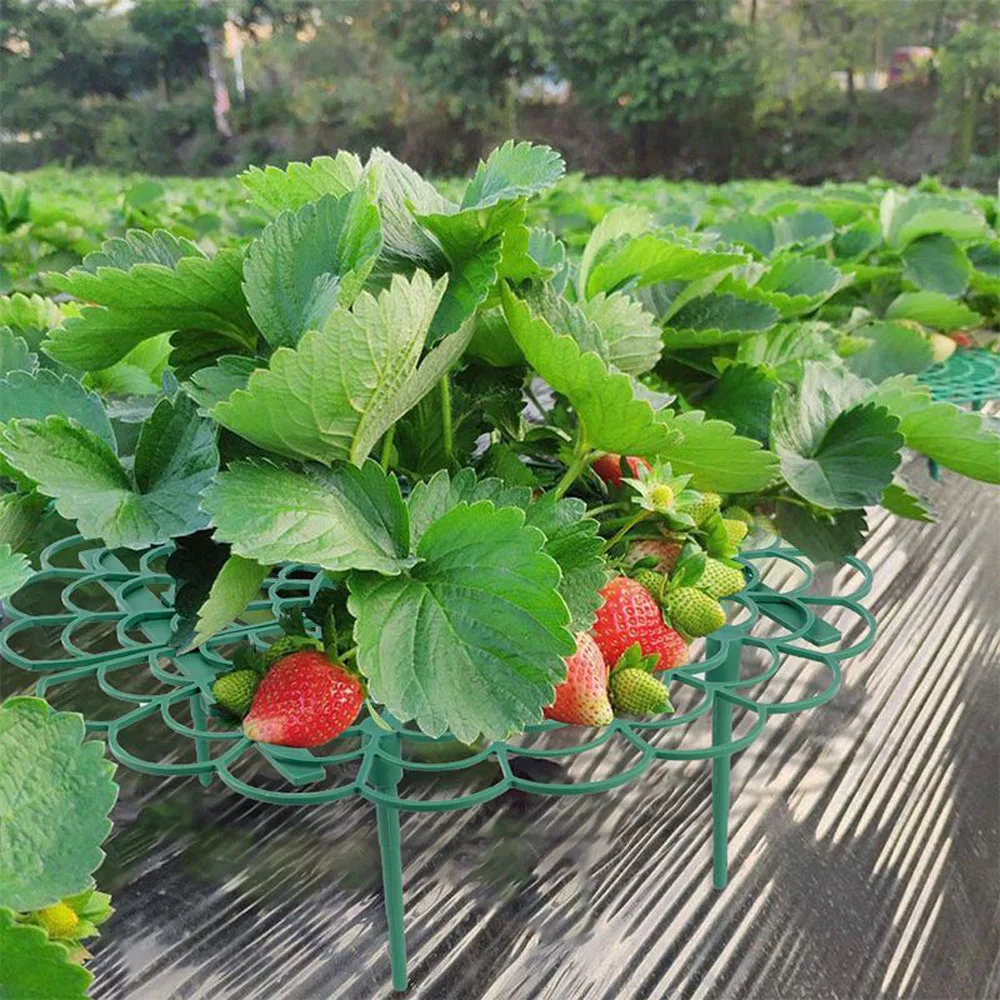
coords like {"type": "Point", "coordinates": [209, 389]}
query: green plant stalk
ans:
{"type": "Point", "coordinates": [447, 432]}
{"type": "Point", "coordinates": [581, 455]}
{"type": "Point", "coordinates": [387, 440]}
{"type": "Point", "coordinates": [625, 528]}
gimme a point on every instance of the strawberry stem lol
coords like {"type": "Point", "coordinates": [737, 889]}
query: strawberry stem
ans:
{"type": "Point", "coordinates": [447, 434]}
{"type": "Point", "coordinates": [625, 528]}
{"type": "Point", "coordinates": [581, 453]}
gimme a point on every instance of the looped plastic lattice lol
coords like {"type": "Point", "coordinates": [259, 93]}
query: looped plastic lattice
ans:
{"type": "Point", "coordinates": [968, 376]}
{"type": "Point", "coordinates": [115, 664]}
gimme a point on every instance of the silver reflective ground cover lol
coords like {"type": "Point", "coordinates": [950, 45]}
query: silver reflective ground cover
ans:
{"type": "Point", "coordinates": [864, 847]}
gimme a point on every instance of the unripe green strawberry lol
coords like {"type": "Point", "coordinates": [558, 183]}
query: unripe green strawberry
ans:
{"type": "Point", "coordinates": [637, 692]}
{"type": "Point", "coordinates": [735, 530]}
{"type": "Point", "coordinates": [694, 612]}
{"type": "Point", "coordinates": [655, 583]}
{"type": "Point", "coordinates": [60, 920]}
{"type": "Point", "coordinates": [288, 644]}
{"type": "Point", "coordinates": [735, 513]}
{"type": "Point", "coordinates": [720, 580]}
{"type": "Point", "coordinates": [703, 508]}
{"type": "Point", "coordinates": [234, 691]}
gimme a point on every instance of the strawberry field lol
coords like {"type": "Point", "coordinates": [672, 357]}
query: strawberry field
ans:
{"type": "Point", "coordinates": [366, 458]}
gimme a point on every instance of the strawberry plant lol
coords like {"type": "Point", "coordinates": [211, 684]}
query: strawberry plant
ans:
{"type": "Point", "coordinates": [486, 438]}
{"type": "Point", "coordinates": [55, 794]}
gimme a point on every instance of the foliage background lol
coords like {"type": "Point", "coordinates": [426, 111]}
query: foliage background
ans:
{"type": "Point", "coordinates": [711, 89]}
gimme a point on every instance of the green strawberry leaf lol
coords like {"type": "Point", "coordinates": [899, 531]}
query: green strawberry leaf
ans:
{"type": "Point", "coordinates": [835, 450]}
{"type": "Point", "coordinates": [469, 284]}
{"type": "Point", "coordinates": [35, 968]}
{"type": "Point", "coordinates": [20, 517]}
{"type": "Point", "coordinates": [307, 262]}
{"type": "Point", "coordinates": [895, 349]}
{"type": "Point", "coordinates": [900, 499]}
{"type": "Point", "coordinates": [15, 571]}
{"type": "Point", "coordinates": [471, 640]}
{"type": "Point", "coordinates": [402, 192]}
{"type": "Point", "coordinates": [857, 240]}
{"type": "Point", "coordinates": [827, 539]}
{"type": "Point", "coordinates": [717, 319]}
{"type": "Point", "coordinates": [29, 312]}
{"type": "Point", "coordinates": [300, 183]}
{"type": "Point", "coordinates": [743, 398]}
{"type": "Point", "coordinates": [55, 795]}
{"type": "Point", "coordinates": [624, 221]}
{"type": "Point", "coordinates": [175, 459]}
{"type": "Point", "coordinates": [15, 355]}
{"type": "Point", "coordinates": [339, 518]}
{"type": "Point", "coordinates": [513, 170]}
{"type": "Point", "coordinates": [715, 457]}
{"type": "Point", "coordinates": [933, 309]}
{"type": "Point", "coordinates": [610, 414]}
{"type": "Point", "coordinates": [213, 384]}
{"type": "Point", "coordinates": [571, 537]}
{"type": "Point", "coordinates": [753, 231]}
{"type": "Point", "coordinates": [35, 396]}
{"type": "Point", "coordinates": [630, 333]}
{"type": "Point", "coordinates": [650, 259]}
{"type": "Point", "coordinates": [955, 438]}
{"type": "Point", "coordinates": [798, 285]}
{"type": "Point", "coordinates": [786, 348]}
{"type": "Point", "coordinates": [237, 584]}
{"type": "Point", "coordinates": [195, 293]}
{"type": "Point", "coordinates": [335, 394]}
{"type": "Point", "coordinates": [936, 263]}
{"type": "Point", "coordinates": [906, 218]}
{"type": "Point", "coordinates": [803, 229]}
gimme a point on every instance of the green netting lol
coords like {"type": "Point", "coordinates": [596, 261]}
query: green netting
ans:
{"type": "Point", "coordinates": [968, 376]}
{"type": "Point", "coordinates": [111, 659]}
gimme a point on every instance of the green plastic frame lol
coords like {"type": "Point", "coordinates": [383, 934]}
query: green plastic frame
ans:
{"type": "Point", "coordinates": [368, 760]}
{"type": "Point", "coordinates": [970, 375]}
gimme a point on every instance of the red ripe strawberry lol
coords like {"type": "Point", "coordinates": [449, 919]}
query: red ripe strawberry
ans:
{"type": "Point", "coordinates": [629, 615]}
{"type": "Point", "coordinates": [663, 550]}
{"type": "Point", "coordinates": [609, 467]}
{"type": "Point", "coordinates": [960, 338]}
{"type": "Point", "coordinates": [582, 699]}
{"type": "Point", "coordinates": [304, 700]}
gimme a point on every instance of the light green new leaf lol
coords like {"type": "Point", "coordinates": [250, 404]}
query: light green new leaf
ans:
{"type": "Point", "coordinates": [471, 640]}
{"type": "Point", "coordinates": [626, 220]}
{"type": "Point", "coordinates": [300, 183]}
{"type": "Point", "coordinates": [632, 335]}
{"type": "Point", "coordinates": [907, 218]}
{"type": "Point", "coordinates": [15, 356]}
{"type": "Point", "coordinates": [513, 170]}
{"type": "Point", "coordinates": [24, 312]}
{"type": "Point", "coordinates": [785, 349]}
{"type": "Point", "coordinates": [340, 518]}
{"type": "Point", "coordinates": [402, 193]}
{"type": "Point", "coordinates": [197, 294]}
{"type": "Point", "coordinates": [611, 416]}
{"type": "Point", "coordinates": [175, 459]}
{"type": "Point", "coordinates": [340, 390]}
{"type": "Point", "coordinates": [309, 261]}
{"type": "Point", "coordinates": [135, 247]}
{"type": "Point", "coordinates": [955, 438]}
{"type": "Point", "coordinates": [717, 319]}
{"type": "Point", "coordinates": [35, 968]}
{"type": "Point", "coordinates": [804, 229]}
{"type": "Point", "coordinates": [648, 259]}
{"type": "Point", "coordinates": [237, 584]}
{"type": "Point", "coordinates": [933, 309]}
{"type": "Point", "coordinates": [20, 517]}
{"type": "Point", "coordinates": [895, 349]}
{"type": "Point", "coordinates": [900, 499]}
{"type": "Point", "coordinates": [28, 396]}
{"type": "Point", "coordinates": [936, 263]}
{"type": "Point", "coordinates": [15, 571]}
{"type": "Point", "coordinates": [55, 795]}
{"type": "Point", "coordinates": [749, 230]}
{"type": "Point", "coordinates": [715, 457]}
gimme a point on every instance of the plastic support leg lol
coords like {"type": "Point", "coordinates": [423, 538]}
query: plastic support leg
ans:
{"type": "Point", "coordinates": [385, 777]}
{"type": "Point", "coordinates": [201, 748]}
{"type": "Point", "coordinates": [722, 733]}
